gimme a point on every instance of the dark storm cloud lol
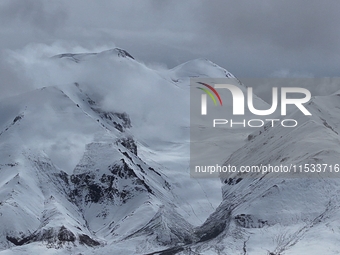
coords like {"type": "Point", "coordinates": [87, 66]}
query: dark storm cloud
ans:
{"type": "Point", "coordinates": [249, 38]}
{"type": "Point", "coordinates": [291, 25]}
{"type": "Point", "coordinates": [299, 35]}
{"type": "Point", "coordinates": [45, 15]}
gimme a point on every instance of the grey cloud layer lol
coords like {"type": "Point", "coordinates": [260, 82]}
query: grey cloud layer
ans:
{"type": "Point", "coordinates": [249, 38]}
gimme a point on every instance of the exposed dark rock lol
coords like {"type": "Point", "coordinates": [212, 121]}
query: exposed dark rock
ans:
{"type": "Point", "coordinates": [214, 225]}
{"type": "Point", "coordinates": [123, 53]}
{"type": "Point", "coordinates": [91, 188]}
{"type": "Point", "coordinates": [212, 232]}
{"type": "Point", "coordinates": [119, 121]}
{"type": "Point", "coordinates": [66, 235]}
{"type": "Point", "coordinates": [19, 241]}
{"type": "Point", "coordinates": [141, 168]}
{"type": "Point", "coordinates": [249, 221]}
{"type": "Point", "coordinates": [129, 144]}
{"type": "Point", "coordinates": [95, 193]}
{"type": "Point", "coordinates": [64, 176]}
{"type": "Point", "coordinates": [85, 239]}
{"type": "Point", "coordinates": [232, 181]}
{"type": "Point", "coordinates": [127, 155]}
{"type": "Point", "coordinates": [51, 236]}
{"type": "Point", "coordinates": [17, 118]}
{"type": "Point", "coordinates": [124, 117]}
{"type": "Point", "coordinates": [150, 168]}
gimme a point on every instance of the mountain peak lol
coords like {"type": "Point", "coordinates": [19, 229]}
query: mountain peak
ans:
{"type": "Point", "coordinates": [118, 51]}
{"type": "Point", "coordinates": [77, 57]}
{"type": "Point", "coordinates": [201, 67]}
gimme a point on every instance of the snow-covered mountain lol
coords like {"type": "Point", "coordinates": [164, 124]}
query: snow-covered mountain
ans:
{"type": "Point", "coordinates": [97, 162]}
{"type": "Point", "coordinates": [280, 213]}
{"type": "Point", "coordinates": [79, 175]}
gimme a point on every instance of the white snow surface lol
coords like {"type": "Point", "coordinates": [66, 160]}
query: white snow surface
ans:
{"type": "Point", "coordinates": [97, 162]}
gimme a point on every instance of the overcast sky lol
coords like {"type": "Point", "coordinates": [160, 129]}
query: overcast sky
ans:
{"type": "Point", "coordinates": [249, 38]}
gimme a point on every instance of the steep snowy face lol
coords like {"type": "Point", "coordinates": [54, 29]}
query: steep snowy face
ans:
{"type": "Point", "coordinates": [31, 189]}
{"type": "Point", "coordinates": [278, 212]}
{"type": "Point", "coordinates": [97, 162]}
{"type": "Point", "coordinates": [101, 158]}
{"type": "Point", "coordinates": [88, 203]}
{"type": "Point", "coordinates": [157, 102]}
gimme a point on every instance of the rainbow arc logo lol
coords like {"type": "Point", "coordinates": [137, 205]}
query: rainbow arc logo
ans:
{"type": "Point", "coordinates": [211, 95]}
{"type": "Point", "coordinates": [211, 92]}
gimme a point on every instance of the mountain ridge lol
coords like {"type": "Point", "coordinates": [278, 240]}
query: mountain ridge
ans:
{"type": "Point", "coordinates": [100, 164]}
